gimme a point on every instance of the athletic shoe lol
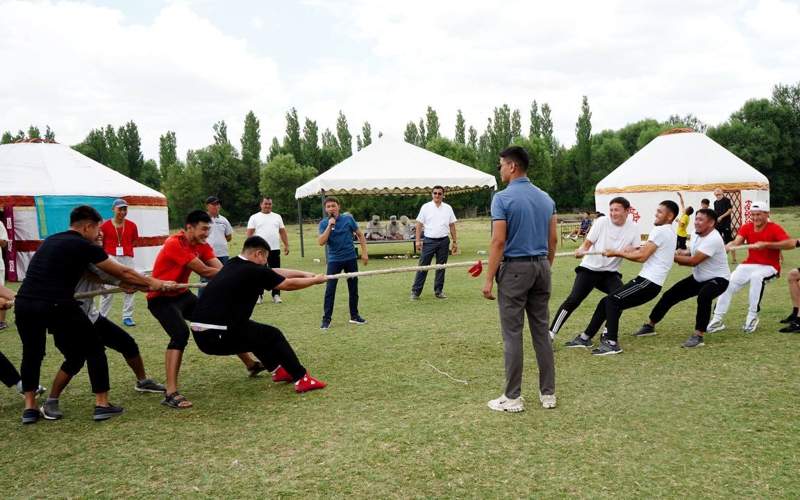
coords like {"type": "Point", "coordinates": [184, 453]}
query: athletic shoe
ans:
{"type": "Point", "coordinates": [276, 299]}
{"type": "Point", "coordinates": [548, 400]}
{"type": "Point", "coordinates": [750, 324]}
{"type": "Point", "coordinates": [51, 411]}
{"type": "Point", "coordinates": [257, 368]}
{"type": "Point", "coordinates": [30, 416]}
{"type": "Point", "coordinates": [149, 385]}
{"type": "Point", "coordinates": [440, 295]}
{"type": "Point", "coordinates": [39, 390]}
{"type": "Point", "coordinates": [507, 404]}
{"type": "Point", "coordinates": [793, 327]}
{"type": "Point", "coordinates": [106, 412]}
{"type": "Point", "coordinates": [647, 330]}
{"type": "Point", "coordinates": [128, 322]}
{"type": "Point", "coordinates": [3, 325]}
{"type": "Point", "coordinates": [358, 320]}
{"type": "Point", "coordinates": [605, 348]}
{"type": "Point", "coordinates": [789, 319]}
{"type": "Point", "coordinates": [326, 323]}
{"type": "Point", "coordinates": [281, 375]}
{"type": "Point", "coordinates": [308, 383]}
{"type": "Point", "coordinates": [716, 325]}
{"type": "Point", "coordinates": [694, 341]}
{"type": "Point", "coordinates": [579, 342]}
{"type": "Point", "coordinates": [414, 296]}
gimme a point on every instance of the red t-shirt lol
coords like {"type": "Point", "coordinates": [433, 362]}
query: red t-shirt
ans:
{"type": "Point", "coordinates": [171, 261]}
{"type": "Point", "coordinates": [771, 232]}
{"type": "Point", "coordinates": [124, 237]}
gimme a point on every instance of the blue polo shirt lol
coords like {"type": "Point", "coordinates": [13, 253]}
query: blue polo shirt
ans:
{"type": "Point", "coordinates": [340, 242]}
{"type": "Point", "coordinates": [527, 211]}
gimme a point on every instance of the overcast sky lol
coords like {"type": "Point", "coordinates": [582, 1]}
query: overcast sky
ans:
{"type": "Point", "coordinates": [180, 65]}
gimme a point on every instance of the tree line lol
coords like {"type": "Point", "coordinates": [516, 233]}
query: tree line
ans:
{"type": "Point", "coordinates": [763, 132]}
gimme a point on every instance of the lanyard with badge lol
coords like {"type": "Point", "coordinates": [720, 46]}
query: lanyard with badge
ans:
{"type": "Point", "coordinates": [120, 250]}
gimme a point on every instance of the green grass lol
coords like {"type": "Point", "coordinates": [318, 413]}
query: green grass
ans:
{"type": "Point", "coordinates": [657, 420]}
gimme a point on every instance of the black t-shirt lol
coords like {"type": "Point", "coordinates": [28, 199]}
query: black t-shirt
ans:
{"type": "Point", "coordinates": [230, 297]}
{"type": "Point", "coordinates": [721, 206]}
{"type": "Point", "coordinates": [58, 265]}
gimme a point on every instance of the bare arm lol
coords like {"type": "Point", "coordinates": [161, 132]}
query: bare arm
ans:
{"type": "Point", "coordinates": [129, 275]}
{"type": "Point", "coordinates": [285, 240]}
{"type": "Point", "coordinates": [363, 243]}
{"type": "Point", "coordinates": [496, 248]}
{"type": "Point", "coordinates": [292, 273]}
{"type": "Point", "coordinates": [735, 243]}
{"type": "Point", "coordinates": [6, 293]}
{"type": "Point", "coordinates": [3, 243]}
{"type": "Point", "coordinates": [205, 269]}
{"type": "Point", "coordinates": [640, 254]}
{"type": "Point", "coordinates": [418, 236]}
{"type": "Point", "coordinates": [454, 236]}
{"type": "Point", "coordinates": [680, 197]}
{"type": "Point", "coordinates": [249, 233]}
{"type": "Point", "coordinates": [290, 284]}
{"type": "Point", "coordinates": [789, 244]}
{"type": "Point", "coordinates": [690, 260]}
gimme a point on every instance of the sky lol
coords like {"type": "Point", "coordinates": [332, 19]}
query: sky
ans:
{"type": "Point", "coordinates": [184, 65]}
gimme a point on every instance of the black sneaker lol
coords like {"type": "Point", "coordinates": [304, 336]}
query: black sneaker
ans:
{"type": "Point", "coordinates": [605, 348]}
{"type": "Point", "coordinates": [51, 411]}
{"type": "Point", "coordinates": [789, 319]}
{"type": "Point", "coordinates": [150, 385]}
{"type": "Point", "coordinates": [106, 412]}
{"type": "Point", "coordinates": [793, 327]}
{"type": "Point", "coordinates": [440, 295]}
{"type": "Point", "coordinates": [647, 330]}
{"type": "Point", "coordinates": [358, 320]}
{"type": "Point", "coordinates": [579, 342]}
{"type": "Point", "coordinates": [326, 323]}
{"type": "Point", "coordinates": [30, 416]}
{"type": "Point", "coordinates": [694, 341]}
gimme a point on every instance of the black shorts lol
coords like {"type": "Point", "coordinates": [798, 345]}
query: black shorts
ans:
{"type": "Point", "coordinates": [173, 312]}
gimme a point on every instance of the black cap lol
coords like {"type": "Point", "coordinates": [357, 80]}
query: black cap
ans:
{"type": "Point", "coordinates": [212, 200]}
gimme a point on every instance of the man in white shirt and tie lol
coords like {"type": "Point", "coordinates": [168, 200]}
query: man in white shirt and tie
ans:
{"type": "Point", "coordinates": [436, 222]}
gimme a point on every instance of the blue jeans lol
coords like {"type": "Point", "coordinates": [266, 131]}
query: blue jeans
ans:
{"type": "Point", "coordinates": [348, 266]}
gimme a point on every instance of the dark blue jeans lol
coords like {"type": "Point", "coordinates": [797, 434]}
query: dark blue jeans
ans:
{"type": "Point", "coordinates": [440, 248]}
{"type": "Point", "coordinates": [348, 266]}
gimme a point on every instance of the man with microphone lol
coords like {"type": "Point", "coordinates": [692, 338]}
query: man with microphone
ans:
{"type": "Point", "coordinates": [337, 233]}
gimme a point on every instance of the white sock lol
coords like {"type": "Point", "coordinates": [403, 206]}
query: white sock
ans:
{"type": "Point", "coordinates": [612, 342]}
{"type": "Point", "coordinates": [584, 336]}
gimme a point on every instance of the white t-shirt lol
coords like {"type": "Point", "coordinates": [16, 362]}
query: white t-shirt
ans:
{"type": "Point", "coordinates": [220, 228]}
{"type": "Point", "coordinates": [605, 235]}
{"type": "Point", "coordinates": [436, 220]}
{"type": "Point", "coordinates": [657, 267]}
{"type": "Point", "coordinates": [267, 226]}
{"type": "Point", "coordinates": [716, 265]}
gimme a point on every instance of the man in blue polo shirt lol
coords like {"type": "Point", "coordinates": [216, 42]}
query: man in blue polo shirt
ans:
{"type": "Point", "coordinates": [337, 233]}
{"type": "Point", "coordinates": [522, 250]}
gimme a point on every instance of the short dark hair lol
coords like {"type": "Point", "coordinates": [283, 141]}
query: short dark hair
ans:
{"type": "Point", "coordinates": [671, 206]}
{"type": "Point", "coordinates": [705, 201]}
{"type": "Point", "coordinates": [708, 212]}
{"type": "Point", "coordinates": [255, 243]}
{"type": "Point", "coordinates": [331, 198]}
{"type": "Point", "coordinates": [84, 213]}
{"type": "Point", "coordinates": [621, 200]}
{"type": "Point", "coordinates": [689, 210]}
{"type": "Point", "coordinates": [196, 216]}
{"type": "Point", "coordinates": [517, 155]}
{"type": "Point", "coordinates": [265, 198]}
{"type": "Point", "coordinates": [437, 187]}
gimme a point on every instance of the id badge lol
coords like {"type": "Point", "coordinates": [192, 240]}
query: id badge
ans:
{"type": "Point", "coordinates": [120, 252]}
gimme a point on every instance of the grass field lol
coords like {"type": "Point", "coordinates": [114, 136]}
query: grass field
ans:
{"type": "Point", "coordinates": [656, 421]}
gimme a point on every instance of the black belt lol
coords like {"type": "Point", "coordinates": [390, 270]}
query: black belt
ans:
{"type": "Point", "coordinates": [526, 258]}
{"type": "Point", "coordinates": [435, 239]}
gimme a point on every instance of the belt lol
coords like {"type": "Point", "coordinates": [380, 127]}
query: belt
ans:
{"type": "Point", "coordinates": [526, 258]}
{"type": "Point", "coordinates": [435, 239]}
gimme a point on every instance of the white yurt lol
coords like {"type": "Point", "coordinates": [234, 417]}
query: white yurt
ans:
{"type": "Point", "coordinates": [41, 182]}
{"type": "Point", "coordinates": [685, 161]}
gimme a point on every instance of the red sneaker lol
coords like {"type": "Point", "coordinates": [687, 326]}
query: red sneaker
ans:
{"type": "Point", "coordinates": [308, 383]}
{"type": "Point", "coordinates": [281, 375]}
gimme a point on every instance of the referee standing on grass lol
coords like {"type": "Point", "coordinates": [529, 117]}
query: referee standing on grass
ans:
{"type": "Point", "coordinates": [524, 239]}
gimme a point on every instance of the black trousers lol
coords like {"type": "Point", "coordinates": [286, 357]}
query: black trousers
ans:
{"type": "Point", "coordinates": [266, 342]}
{"type": "Point", "coordinates": [8, 372]}
{"type": "Point", "coordinates": [634, 293]}
{"type": "Point", "coordinates": [172, 312]}
{"type": "Point", "coordinates": [116, 338]}
{"type": "Point", "coordinates": [348, 266]}
{"type": "Point", "coordinates": [681, 243]}
{"type": "Point", "coordinates": [440, 248]}
{"type": "Point", "coordinates": [274, 261]}
{"type": "Point", "coordinates": [705, 291]}
{"type": "Point", "coordinates": [586, 280]}
{"type": "Point", "coordinates": [73, 334]}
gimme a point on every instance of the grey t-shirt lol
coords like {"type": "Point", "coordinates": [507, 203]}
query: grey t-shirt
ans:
{"type": "Point", "coordinates": [220, 228]}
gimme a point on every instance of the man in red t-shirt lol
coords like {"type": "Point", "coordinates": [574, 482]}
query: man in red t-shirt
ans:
{"type": "Point", "coordinates": [762, 265]}
{"type": "Point", "coordinates": [183, 253]}
{"type": "Point", "coordinates": [119, 238]}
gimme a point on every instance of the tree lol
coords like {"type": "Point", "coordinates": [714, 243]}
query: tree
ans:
{"type": "Point", "coordinates": [343, 134]}
{"type": "Point", "coordinates": [608, 152]}
{"type": "Point", "coordinates": [49, 135]}
{"type": "Point", "coordinates": [34, 133]}
{"type": "Point", "coordinates": [459, 137]}
{"type": "Point", "coordinates": [366, 131]}
{"type": "Point", "coordinates": [7, 138]}
{"type": "Point", "coordinates": [221, 133]}
{"type": "Point", "coordinates": [251, 156]}
{"type": "Point", "coordinates": [281, 177]}
{"type": "Point", "coordinates": [167, 153]}
{"type": "Point", "coordinates": [547, 130]}
{"type": "Point", "coordinates": [431, 124]}
{"type": "Point", "coordinates": [688, 121]}
{"type": "Point", "coordinates": [331, 152]}
{"type": "Point", "coordinates": [291, 142]}
{"type": "Point", "coordinates": [422, 134]}
{"type": "Point", "coordinates": [274, 149]}
{"type": "Point", "coordinates": [473, 138]}
{"type": "Point", "coordinates": [359, 145]}
{"type": "Point", "coordinates": [583, 143]}
{"type": "Point", "coordinates": [310, 145]}
{"type": "Point", "coordinates": [150, 175]}
{"type": "Point", "coordinates": [411, 135]}
{"type": "Point", "coordinates": [516, 124]}
{"type": "Point", "coordinates": [629, 134]}
{"type": "Point", "coordinates": [536, 121]}
{"type": "Point", "coordinates": [183, 188]}
{"type": "Point", "coordinates": [131, 146]}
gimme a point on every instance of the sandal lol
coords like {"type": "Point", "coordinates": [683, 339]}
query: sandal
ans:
{"type": "Point", "coordinates": [177, 401]}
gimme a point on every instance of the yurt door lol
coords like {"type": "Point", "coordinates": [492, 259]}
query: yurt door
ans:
{"type": "Point", "coordinates": [736, 212]}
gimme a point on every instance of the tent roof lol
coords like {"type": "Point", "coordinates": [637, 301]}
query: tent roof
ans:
{"type": "Point", "coordinates": [390, 166]}
{"type": "Point", "coordinates": [35, 169]}
{"type": "Point", "coordinates": [676, 161]}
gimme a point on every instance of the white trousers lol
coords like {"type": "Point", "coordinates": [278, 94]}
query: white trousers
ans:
{"type": "Point", "coordinates": [755, 274]}
{"type": "Point", "coordinates": [127, 298]}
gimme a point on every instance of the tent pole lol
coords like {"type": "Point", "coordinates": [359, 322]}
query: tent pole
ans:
{"type": "Point", "coordinates": [300, 222]}
{"type": "Point", "coordinates": [491, 199]}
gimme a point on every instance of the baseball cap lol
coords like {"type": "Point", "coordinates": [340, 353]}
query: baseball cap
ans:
{"type": "Point", "coordinates": [212, 200]}
{"type": "Point", "coordinates": [759, 206]}
{"type": "Point", "coordinates": [119, 202]}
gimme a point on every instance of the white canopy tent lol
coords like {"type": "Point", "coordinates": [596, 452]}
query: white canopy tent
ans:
{"type": "Point", "coordinates": [394, 167]}
{"type": "Point", "coordinates": [42, 182]}
{"type": "Point", "coordinates": [683, 161]}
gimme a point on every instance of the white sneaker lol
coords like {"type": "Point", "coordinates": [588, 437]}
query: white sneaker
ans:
{"type": "Point", "coordinates": [507, 404]}
{"type": "Point", "coordinates": [260, 299]}
{"type": "Point", "coordinates": [750, 324]}
{"type": "Point", "coordinates": [547, 400]}
{"type": "Point", "coordinates": [716, 325]}
{"type": "Point", "coordinates": [276, 299]}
